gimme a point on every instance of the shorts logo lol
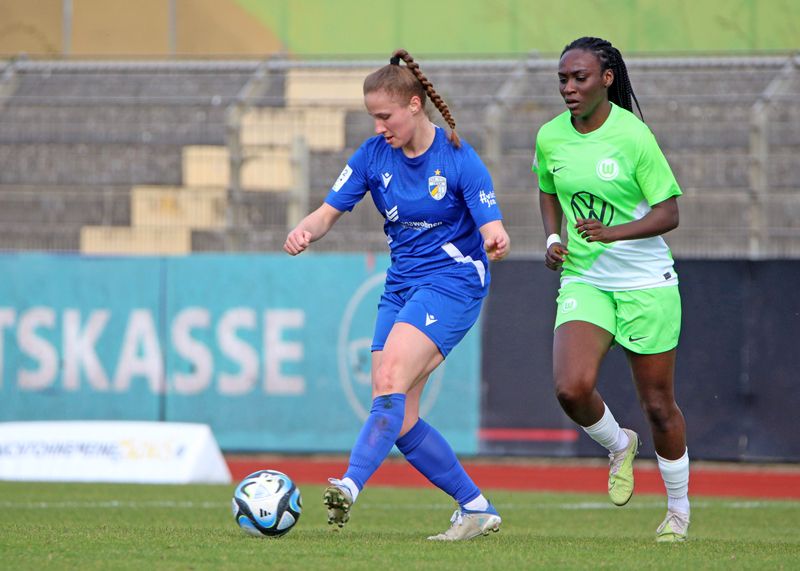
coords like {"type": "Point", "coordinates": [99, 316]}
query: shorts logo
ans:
{"type": "Point", "coordinates": [346, 172]}
{"type": "Point", "coordinates": [607, 169]}
{"type": "Point", "coordinates": [437, 185]}
{"type": "Point", "coordinates": [587, 205]}
{"type": "Point", "coordinates": [430, 319]}
{"type": "Point", "coordinates": [569, 304]}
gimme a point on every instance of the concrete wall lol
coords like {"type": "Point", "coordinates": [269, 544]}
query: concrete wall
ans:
{"type": "Point", "coordinates": [736, 378]}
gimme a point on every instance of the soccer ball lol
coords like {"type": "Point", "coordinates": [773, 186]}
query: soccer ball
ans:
{"type": "Point", "coordinates": [267, 504]}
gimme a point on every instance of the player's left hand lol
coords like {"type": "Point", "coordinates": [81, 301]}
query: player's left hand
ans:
{"type": "Point", "coordinates": [593, 230]}
{"type": "Point", "coordinates": [497, 247]}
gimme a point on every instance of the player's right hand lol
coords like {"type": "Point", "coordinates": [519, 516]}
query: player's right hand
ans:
{"type": "Point", "coordinates": [554, 257]}
{"type": "Point", "coordinates": [297, 241]}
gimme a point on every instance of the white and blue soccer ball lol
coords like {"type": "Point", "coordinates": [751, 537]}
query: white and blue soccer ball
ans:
{"type": "Point", "coordinates": [267, 504]}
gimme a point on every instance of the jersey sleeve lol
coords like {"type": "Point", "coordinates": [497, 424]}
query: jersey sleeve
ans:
{"type": "Point", "coordinates": [478, 190]}
{"type": "Point", "coordinates": [351, 186]}
{"type": "Point", "coordinates": [541, 170]}
{"type": "Point", "coordinates": [653, 172]}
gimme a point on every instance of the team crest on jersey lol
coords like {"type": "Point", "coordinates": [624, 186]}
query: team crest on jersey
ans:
{"type": "Point", "coordinates": [437, 185]}
{"type": "Point", "coordinates": [607, 169]}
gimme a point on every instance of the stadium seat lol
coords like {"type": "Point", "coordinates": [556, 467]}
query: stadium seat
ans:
{"type": "Point", "coordinates": [128, 240]}
{"type": "Point", "coordinates": [180, 207]}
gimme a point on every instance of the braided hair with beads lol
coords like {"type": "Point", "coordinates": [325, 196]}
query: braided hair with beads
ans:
{"type": "Point", "coordinates": [408, 81]}
{"type": "Point", "coordinates": [620, 91]}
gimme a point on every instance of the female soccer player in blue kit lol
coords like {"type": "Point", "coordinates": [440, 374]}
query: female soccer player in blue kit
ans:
{"type": "Point", "coordinates": [441, 222]}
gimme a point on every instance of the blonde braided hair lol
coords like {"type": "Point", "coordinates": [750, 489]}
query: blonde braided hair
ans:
{"type": "Point", "coordinates": [408, 81]}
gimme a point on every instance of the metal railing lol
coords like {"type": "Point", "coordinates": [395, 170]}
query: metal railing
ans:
{"type": "Point", "coordinates": [100, 130]}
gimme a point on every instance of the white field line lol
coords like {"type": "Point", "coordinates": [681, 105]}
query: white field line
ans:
{"type": "Point", "coordinates": [167, 504]}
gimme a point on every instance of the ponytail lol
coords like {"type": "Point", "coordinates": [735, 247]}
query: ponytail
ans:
{"type": "Point", "coordinates": [408, 81]}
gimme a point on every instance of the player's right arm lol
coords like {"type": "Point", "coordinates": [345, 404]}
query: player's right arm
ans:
{"type": "Point", "coordinates": [552, 214]}
{"type": "Point", "coordinates": [549, 206]}
{"type": "Point", "coordinates": [348, 189]}
{"type": "Point", "coordinates": [311, 228]}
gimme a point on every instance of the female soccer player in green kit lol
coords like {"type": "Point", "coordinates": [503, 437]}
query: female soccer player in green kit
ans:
{"type": "Point", "coordinates": [600, 167]}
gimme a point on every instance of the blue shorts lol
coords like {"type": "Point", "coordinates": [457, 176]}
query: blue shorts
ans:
{"type": "Point", "coordinates": [443, 316]}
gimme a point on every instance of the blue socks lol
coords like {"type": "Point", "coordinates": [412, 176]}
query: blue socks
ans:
{"type": "Point", "coordinates": [432, 455]}
{"type": "Point", "coordinates": [423, 447]}
{"type": "Point", "coordinates": [377, 437]}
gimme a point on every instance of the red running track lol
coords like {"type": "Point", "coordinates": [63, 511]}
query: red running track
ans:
{"type": "Point", "coordinates": [727, 481]}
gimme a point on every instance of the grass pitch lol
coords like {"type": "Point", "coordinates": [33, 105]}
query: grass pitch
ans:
{"type": "Point", "coordinates": [105, 526]}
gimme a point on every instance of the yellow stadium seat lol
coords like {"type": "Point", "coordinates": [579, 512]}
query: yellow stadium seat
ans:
{"type": "Point", "coordinates": [182, 207]}
{"type": "Point", "coordinates": [122, 240]}
{"type": "Point", "coordinates": [323, 128]}
{"type": "Point", "coordinates": [206, 165]}
{"type": "Point", "coordinates": [326, 87]}
{"type": "Point", "coordinates": [268, 169]}
{"type": "Point", "coordinates": [263, 169]}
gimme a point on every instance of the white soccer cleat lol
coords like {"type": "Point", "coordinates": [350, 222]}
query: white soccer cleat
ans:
{"type": "Point", "coordinates": [674, 528]}
{"type": "Point", "coordinates": [620, 474]}
{"type": "Point", "coordinates": [338, 500]}
{"type": "Point", "coordinates": [467, 524]}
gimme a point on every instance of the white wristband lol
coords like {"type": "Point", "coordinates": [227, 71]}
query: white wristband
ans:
{"type": "Point", "coordinates": [553, 239]}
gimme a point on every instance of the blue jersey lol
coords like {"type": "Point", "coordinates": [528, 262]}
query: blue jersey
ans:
{"type": "Point", "coordinates": [433, 205]}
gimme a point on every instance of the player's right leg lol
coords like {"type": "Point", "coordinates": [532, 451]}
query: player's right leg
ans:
{"type": "Point", "coordinates": [338, 499]}
{"type": "Point", "coordinates": [585, 326]}
{"type": "Point", "coordinates": [408, 357]}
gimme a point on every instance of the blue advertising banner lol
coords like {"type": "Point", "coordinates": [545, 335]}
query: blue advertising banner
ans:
{"type": "Point", "coordinates": [272, 352]}
{"type": "Point", "coordinates": [80, 338]}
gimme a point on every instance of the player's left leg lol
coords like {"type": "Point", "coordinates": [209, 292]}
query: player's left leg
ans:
{"type": "Point", "coordinates": [427, 450]}
{"type": "Point", "coordinates": [445, 318]}
{"type": "Point", "coordinates": [653, 375]}
{"type": "Point", "coordinates": [648, 328]}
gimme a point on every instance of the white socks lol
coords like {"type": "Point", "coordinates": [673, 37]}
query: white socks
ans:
{"type": "Point", "coordinates": [350, 485]}
{"type": "Point", "coordinates": [607, 432]}
{"type": "Point", "coordinates": [479, 504]}
{"type": "Point", "coordinates": [675, 473]}
{"type": "Point", "coordinates": [676, 479]}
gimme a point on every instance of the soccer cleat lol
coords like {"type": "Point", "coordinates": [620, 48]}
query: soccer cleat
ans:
{"type": "Point", "coordinates": [674, 528]}
{"type": "Point", "coordinates": [466, 524]}
{"type": "Point", "coordinates": [338, 500]}
{"type": "Point", "coordinates": [620, 476]}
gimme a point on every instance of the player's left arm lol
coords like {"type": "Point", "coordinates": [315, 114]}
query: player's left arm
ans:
{"type": "Point", "coordinates": [478, 192]}
{"type": "Point", "coordinates": [659, 187]}
{"type": "Point", "coordinates": [495, 240]}
{"type": "Point", "coordinates": [662, 218]}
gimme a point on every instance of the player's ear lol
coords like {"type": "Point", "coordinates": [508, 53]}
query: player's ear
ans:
{"type": "Point", "coordinates": [608, 78]}
{"type": "Point", "coordinates": [414, 104]}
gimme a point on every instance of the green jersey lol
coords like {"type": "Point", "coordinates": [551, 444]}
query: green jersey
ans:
{"type": "Point", "coordinates": [613, 174]}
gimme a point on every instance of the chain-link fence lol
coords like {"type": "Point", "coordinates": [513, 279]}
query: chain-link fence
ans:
{"type": "Point", "coordinates": [107, 157]}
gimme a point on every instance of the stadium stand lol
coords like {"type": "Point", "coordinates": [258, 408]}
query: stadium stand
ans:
{"type": "Point", "coordinates": [223, 155]}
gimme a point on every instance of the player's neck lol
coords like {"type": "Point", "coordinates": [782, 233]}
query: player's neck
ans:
{"type": "Point", "coordinates": [593, 121]}
{"type": "Point", "coordinates": [421, 141]}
